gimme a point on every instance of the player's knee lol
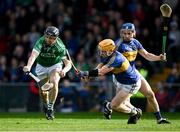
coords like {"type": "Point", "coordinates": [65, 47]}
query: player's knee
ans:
{"type": "Point", "coordinates": [55, 84]}
{"type": "Point", "coordinates": [55, 79]}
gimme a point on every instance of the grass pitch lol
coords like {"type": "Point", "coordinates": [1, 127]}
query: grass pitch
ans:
{"type": "Point", "coordinates": [84, 122]}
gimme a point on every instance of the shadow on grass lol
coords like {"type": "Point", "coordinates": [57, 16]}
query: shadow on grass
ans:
{"type": "Point", "coordinates": [85, 115]}
{"type": "Point", "coordinates": [74, 115]}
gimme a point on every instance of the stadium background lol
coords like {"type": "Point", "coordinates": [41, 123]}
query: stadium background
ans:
{"type": "Point", "coordinates": [82, 24]}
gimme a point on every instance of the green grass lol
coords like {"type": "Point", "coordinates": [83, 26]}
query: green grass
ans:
{"type": "Point", "coordinates": [84, 122]}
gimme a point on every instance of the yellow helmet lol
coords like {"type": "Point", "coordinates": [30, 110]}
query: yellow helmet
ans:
{"type": "Point", "coordinates": [106, 47]}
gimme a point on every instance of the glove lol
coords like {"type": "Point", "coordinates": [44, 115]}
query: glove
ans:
{"type": "Point", "coordinates": [82, 74]}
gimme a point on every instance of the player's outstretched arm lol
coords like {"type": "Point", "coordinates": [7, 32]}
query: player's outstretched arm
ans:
{"type": "Point", "coordinates": [151, 56]}
{"type": "Point", "coordinates": [32, 58]}
{"type": "Point", "coordinates": [96, 72]}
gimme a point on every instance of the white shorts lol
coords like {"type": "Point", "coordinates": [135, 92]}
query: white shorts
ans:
{"type": "Point", "coordinates": [44, 72]}
{"type": "Point", "coordinates": [129, 88]}
{"type": "Point", "coordinates": [139, 74]}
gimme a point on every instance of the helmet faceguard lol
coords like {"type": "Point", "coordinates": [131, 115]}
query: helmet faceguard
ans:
{"type": "Point", "coordinates": [51, 31]}
{"type": "Point", "coordinates": [106, 47]}
{"type": "Point", "coordinates": [128, 27]}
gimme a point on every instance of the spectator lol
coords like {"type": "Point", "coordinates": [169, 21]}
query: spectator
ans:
{"type": "Point", "coordinates": [33, 104]}
{"type": "Point", "coordinates": [3, 68]}
{"type": "Point", "coordinates": [162, 96]}
{"type": "Point", "coordinates": [174, 41]}
{"type": "Point", "coordinates": [69, 95]}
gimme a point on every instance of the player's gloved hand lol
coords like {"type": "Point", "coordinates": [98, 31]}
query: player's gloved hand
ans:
{"type": "Point", "coordinates": [26, 69]}
{"type": "Point", "coordinates": [82, 74]}
{"type": "Point", "coordinates": [163, 57]}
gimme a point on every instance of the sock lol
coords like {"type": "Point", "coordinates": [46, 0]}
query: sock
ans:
{"type": "Point", "coordinates": [50, 106]}
{"type": "Point", "coordinates": [133, 111]}
{"type": "Point", "coordinates": [109, 105]}
{"type": "Point", "coordinates": [45, 104]}
{"type": "Point", "coordinates": [158, 115]}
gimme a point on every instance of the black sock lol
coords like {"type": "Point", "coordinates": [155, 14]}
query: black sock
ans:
{"type": "Point", "coordinates": [45, 104]}
{"type": "Point", "coordinates": [158, 115]}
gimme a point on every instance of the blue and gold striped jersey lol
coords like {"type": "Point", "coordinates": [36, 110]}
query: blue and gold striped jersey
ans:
{"type": "Point", "coordinates": [123, 71]}
{"type": "Point", "coordinates": [129, 49]}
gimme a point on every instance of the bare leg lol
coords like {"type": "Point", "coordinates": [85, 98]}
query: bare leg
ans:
{"type": "Point", "coordinates": [118, 102]}
{"type": "Point", "coordinates": [53, 92]}
{"type": "Point", "coordinates": [149, 94]}
{"type": "Point", "coordinates": [147, 91]}
{"type": "Point", "coordinates": [128, 103]}
{"type": "Point", "coordinates": [44, 95]}
{"type": "Point", "coordinates": [54, 78]}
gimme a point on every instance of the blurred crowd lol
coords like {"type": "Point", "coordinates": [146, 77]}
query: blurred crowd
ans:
{"type": "Point", "coordinates": [82, 24]}
{"type": "Point", "coordinates": [168, 94]}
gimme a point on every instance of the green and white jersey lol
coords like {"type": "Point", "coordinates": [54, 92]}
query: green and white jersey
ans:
{"type": "Point", "coordinates": [49, 54]}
